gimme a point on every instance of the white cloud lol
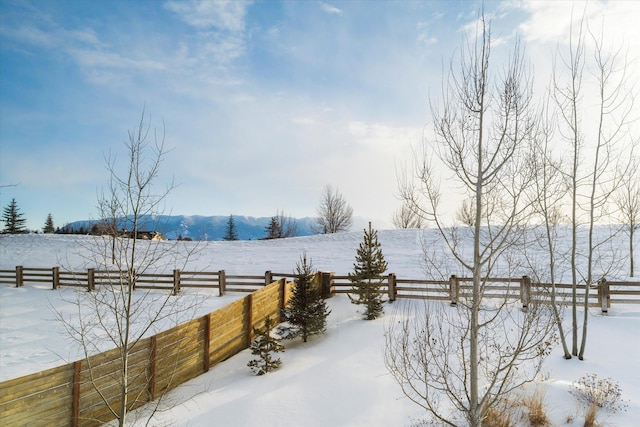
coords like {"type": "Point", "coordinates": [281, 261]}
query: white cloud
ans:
{"type": "Point", "coordinates": [330, 9]}
{"type": "Point", "coordinates": [221, 14]}
{"type": "Point", "coordinates": [550, 22]}
{"type": "Point", "coordinates": [383, 137]}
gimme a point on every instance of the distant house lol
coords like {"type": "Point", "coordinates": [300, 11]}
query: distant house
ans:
{"type": "Point", "coordinates": [144, 235]}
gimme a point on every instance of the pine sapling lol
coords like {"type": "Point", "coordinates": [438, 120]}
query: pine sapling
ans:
{"type": "Point", "coordinates": [367, 276]}
{"type": "Point", "coordinates": [264, 346]}
{"type": "Point", "coordinates": [306, 313]}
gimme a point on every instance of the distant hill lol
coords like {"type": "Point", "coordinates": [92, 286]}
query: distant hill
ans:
{"type": "Point", "coordinates": [199, 227]}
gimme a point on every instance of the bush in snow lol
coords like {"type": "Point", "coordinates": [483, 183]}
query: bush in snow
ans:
{"type": "Point", "coordinates": [599, 393]}
{"type": "Point", "coordinates": [264, 346]}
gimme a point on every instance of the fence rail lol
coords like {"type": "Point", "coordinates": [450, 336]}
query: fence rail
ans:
{"type": "Point", "coordinates": [602, 294]}
{"type": "Point", "coordinates": [174, 281]}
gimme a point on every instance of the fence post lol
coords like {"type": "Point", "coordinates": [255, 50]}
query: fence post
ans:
{"type": "Point", "coordinates": [75, 401]}
{"type": "Point", "coordinates": [207, 343]}
{"type": "Point", "coordinates": [152, 368]}
{"type": "Point", "coordinates": [326, 284]}
{"type": "Point", "coordinates": [55, 274]}
{"type": "Point", "coordinates": [91, 277]}
{"type": "Point", "coordinates": [19, 276]}
{"type": "Point", "coordinates": [454, 289]}
{"type": "Point", "coordinates": [392, 287]}
{"type": "Point", "coordinates": [281, 302]}
{"type": "Point", "coordinates": [268, 277]}
{"type": "Point", "coordinates": [222, 282]}
{"type": "Point", "coordinates": [249, 319]}
{"type": "Point", "coordinates": [604, 297]}
{"type": "Point", "coordinates": [176, 281]}
{"type": "Point", "coordinates": [525, 291]}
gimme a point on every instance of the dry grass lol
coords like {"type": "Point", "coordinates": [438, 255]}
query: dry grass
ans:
{"type": "Point", "coordinates": [534, 407]}
{"type": "Point", "coordinates": [590, 417]}
{"type": "Point", "coordinates": [498, 417]}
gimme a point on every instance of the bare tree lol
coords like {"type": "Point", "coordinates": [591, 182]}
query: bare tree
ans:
{"type": "Point", "coordinates": [334, 213]}
{"type": "Point", "coordinates": [406, 218]}
{"type": "Point", "coordinates": [595, 154]}
{"type": "Point", "coordinates": [548, 190]}
{"type": "Point", "coordinates": [116, 314]}
{"type": "Point", "coordinates": [466, 213]}
{"type": "Point", "coordinates": [483, 132]}
{"type": "Point", "coordinates": [628, 203]}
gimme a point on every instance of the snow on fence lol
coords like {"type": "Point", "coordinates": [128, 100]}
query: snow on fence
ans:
{"type": "Point", "coordinates": [75, 394]}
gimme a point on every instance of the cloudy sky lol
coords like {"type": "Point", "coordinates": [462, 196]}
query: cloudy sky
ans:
{"type": "Point", "coordinates": [262, 103]}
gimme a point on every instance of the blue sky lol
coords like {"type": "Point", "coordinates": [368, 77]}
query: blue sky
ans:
{"type": "Point", "coordinates": [263, 103]}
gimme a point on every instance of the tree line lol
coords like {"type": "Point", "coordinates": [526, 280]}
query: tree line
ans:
{"type": "Point", "coordinates": [335, 215]}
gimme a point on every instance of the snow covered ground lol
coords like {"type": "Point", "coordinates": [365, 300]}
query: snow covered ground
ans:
{"type": "Point", "coordinates": [338, 379]}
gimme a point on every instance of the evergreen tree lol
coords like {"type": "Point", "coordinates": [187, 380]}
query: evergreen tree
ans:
{"type": "Point", "coordinates": [264, 346]}
{"type": "Point", "coordinates": [281, 226]}
{"type": "Point", "coordinates": [306, 314]}
{"type": "Point", "coordinates": [366, 277]}
{"type": "Point", "coordinates": [48, 225]}
{"type": "Point", "coordinates": [231, 232]}
{"type": "Point", "coordinates": [274, 229]}
{"type": "Point", "coordinates": [13, 219]}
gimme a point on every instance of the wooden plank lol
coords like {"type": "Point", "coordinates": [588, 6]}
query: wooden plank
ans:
{"type": "Point", "coordinates": [52, 400]}
{"type": "Point", "coordinates": [33, 383]}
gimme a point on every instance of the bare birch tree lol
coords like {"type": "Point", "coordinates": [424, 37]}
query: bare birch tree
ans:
{"type": "Point", "coordinates": [465, 356]}
{"type": "Point", "coordinates": [595, 153]}
{"type": "Point", "coordinates": [628, 203]}
{"type": "Point", "coordinates": [116, 314]}
{"type": "Point", "coordinates": [548, 191]}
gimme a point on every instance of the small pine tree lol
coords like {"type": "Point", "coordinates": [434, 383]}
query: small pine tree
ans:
{"type": "Point", "coordinates": [366, 277]}
{"type": "Point", "coordinates": [231, 232]}
{"type": "Point", "coordinates": [13, 219]}
{"type": "Point", "coordinates": [274, 229]}
{"type": "Point", "coordinates": [264, 346]}
{"type": "Point", "coordinates": [306, 314]}
{"type": "Point", "coordinates": [48, 225]}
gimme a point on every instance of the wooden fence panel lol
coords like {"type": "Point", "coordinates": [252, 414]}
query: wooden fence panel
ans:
{"type": "Point", "coordinates": [266, 303]}
{"type": "Point", "coordinates": [101, 379]}
{"type": "Point", "coordinates": [37, 275]}
{"type": "Point", "coordinates": [7, 277]}
{"type": "Point", "coordinates": [179, 354]}
{"type": "Point", "coordinates": [624, 292]}
{"type": "Point", "coordinates": [437, 290]}
{"type": "Point", "coordinates": [73, 279]}
{"type": "Point", "coordinates": [40, 399]}
{"type": "Point", "coordinates": [200, 279]}
{"type": "Point", "coordinates": [228, 330]}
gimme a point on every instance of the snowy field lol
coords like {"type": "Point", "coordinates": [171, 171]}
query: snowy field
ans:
{"type": "Point", "coordinates": [338, 379]}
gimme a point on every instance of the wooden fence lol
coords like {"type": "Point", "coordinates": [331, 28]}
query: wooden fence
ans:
{"type": "Point", "coordinates": [75, 394]}
{"type": "Point", "coordinates": [174, 281]}
{"type": "Point", "coordinates": [602, 295]}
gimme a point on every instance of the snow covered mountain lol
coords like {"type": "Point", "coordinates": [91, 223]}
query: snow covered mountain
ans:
{"type": "Point", "coordinates": [198, 227]}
